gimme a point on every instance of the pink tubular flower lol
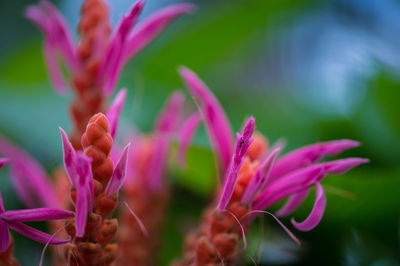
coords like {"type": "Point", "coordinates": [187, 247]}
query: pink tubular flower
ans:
{"type": "Point", "coordinates": [259, 182]}
{"type": "Point", "coordinates": [13, 220]}
{"type": "Point", "coordinates": [114, 51]}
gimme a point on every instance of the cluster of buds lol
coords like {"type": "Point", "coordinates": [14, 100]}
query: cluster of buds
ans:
{"type": "Point", "coordinates": [95, 185]}
{"type": "Point", "coordinates": [85, 194]}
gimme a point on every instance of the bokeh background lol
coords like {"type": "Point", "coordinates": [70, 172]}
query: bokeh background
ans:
{"type": "Point", "coordinates": [307, 70]}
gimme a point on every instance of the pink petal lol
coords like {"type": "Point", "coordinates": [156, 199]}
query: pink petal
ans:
{"type": "Point", "coordinates": [287, 185]}
{"type": "Point", "coordinates": [293, 203]}
{"type": "Point", "coordinates": [169, 117]}
{"type": "Point", "coordinates": [37, 16]}
{"type": "Point", "coordinates": [1, 204]}
{"type": "Point", "coordinates": [114, 112]}
{"type": "Point", "coordinates": [317, 212]}
{"type": "Point", "coordinates": [61, 34]}
{"type": "Point", "coordinates": [4, 236]}
{"type": "Point", "coordinates": [151, 27]}
{"type": "Point", "coordinates": [259, 180]}
{"type": "Point", "coordinates": [82, 209]}
{"type": "Point", "coordinates": [35, 235]}
{"type": "Point", "coordinates": [217, 124]}
{"type": "Point", "coordinates": [85, 195]}
{"type": "Point", "coordinates": [53, 68]}
{"type": "Point", "coordinates": [85, 176]}
{"type": "Point", "coordinates": [308, 155]}
{"type": "Point", "coordinates": [343, 165]}
{"type": "Point", "coordinates": [187, 132]}
{"type": "Point", "coordinates": [29, 178]}
{"type": "Point", "coordinates": [69, 157]}
{"type": "Point", "coordinates": [33, 215]}
{"type": "Point", "coordinates": [118, 177]}
{"type": "Point", "coordinates": [243, 143]}
{"type": "Point", "coordinates": [3, 161]}
{"type": "Point", "coordinates": [112, 63]}
{"type": "Point", "coordinates": [158, 162]}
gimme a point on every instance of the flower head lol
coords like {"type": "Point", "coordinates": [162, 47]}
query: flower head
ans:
{"type": "Point", "coordinates": [257, 180]}
{"type": "Point", "coordinates": [109, 52]}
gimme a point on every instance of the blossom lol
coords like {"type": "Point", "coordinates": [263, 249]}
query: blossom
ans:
{"type": "Point", "coordinates": [112, 52]}
{"type": "Point", "coordinates": [265, 178]}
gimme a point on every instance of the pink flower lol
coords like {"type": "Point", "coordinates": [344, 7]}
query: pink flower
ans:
{"type": "Point", "coordinates": [290, 176]}
{"type": "Point", "coordinates": [126, 41]}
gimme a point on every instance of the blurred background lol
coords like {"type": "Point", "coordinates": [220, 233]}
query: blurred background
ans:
{"type": "Point", "coordinates": [307, 70]}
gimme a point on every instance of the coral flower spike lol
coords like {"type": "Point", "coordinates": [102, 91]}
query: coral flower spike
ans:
{"type": "Point", "coordinates": [255, 178]}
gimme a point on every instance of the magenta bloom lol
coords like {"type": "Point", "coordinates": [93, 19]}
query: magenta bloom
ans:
{"type": "Point", "coordinates": [13, 220]}
{"type": "Point", "coordinates": [113, 52]}
{"type": "Point", "coordinates": [276, 178]}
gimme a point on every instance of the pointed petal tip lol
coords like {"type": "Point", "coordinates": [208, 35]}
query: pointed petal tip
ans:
{"type": "Point", "coordinates": [338, 146]}
{"type": "Point", "coordinates": [3, 161]}
{"type": "Point", "coordinates": [344, 165]}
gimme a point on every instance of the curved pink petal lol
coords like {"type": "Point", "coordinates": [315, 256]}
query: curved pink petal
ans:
{"type": "Point", "coordinates": [69, 157]}
{"type": "Point", "coordinates": [260, 178]}
{"type": "Point", "coordinates": [308, 155]}
{"type": "Point", "coordinates": [317, 212]}
{"type": "Point", "coordinates": [243, 143]}
{"type": "Point", "coordinates": [153, 26]}
{"type": "Point", "coordinates": [293, 203]}
{"type": "Point", "coordinates": [38, 17]}
{"type": "Point", "coordinates": [343, 165]}
{"type": "Point", "coordinates": [29, 178]}
{"type": "Point", "coordinates": [217, 124]}
{"type": "Point", "coordinates": [112, 63]}
{"type": "Point", "coordinates": [3, 161]}
{"type": "Point", "coordinates": [169, 117]}
{"type": "Point", "coordinates": [114, 112]}
{"type": "Point", "coordinates": [287, 185]}
{"type": "Point", "coordinates": [118, 177]}
{"type": "Point", "coordinates": [39, 214]}
{"type": "Point", "coordinates": [53, 68]}
{"type": "Point", "coordinates": [188, 130]}
{"type": "Point", "coordinates": [61, 34]}
{"type": "Point", "coordinates": [35, 234]}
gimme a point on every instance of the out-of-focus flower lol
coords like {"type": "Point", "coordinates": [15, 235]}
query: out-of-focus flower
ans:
{"type": "Point", "coordinates": [96, 61]}
{"type": "Point", "coordinates": [147, 184]}
{"type": "Point", "coordinates": [111, 51]}
{"type": "Point", "coordinates": [255, 178]}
